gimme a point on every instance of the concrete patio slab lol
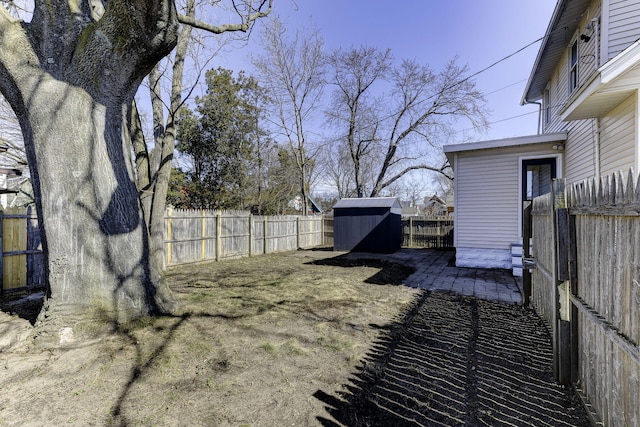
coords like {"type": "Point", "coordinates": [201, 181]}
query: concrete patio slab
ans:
{"type": "Point", "coordinates": [435, 271]}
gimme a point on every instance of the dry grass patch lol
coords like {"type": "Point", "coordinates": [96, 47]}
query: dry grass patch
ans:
{"type": "Point", "coordinates": [254, 339]}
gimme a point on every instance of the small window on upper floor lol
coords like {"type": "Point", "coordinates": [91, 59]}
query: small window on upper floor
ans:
{"type": "Point", "coordinates": [546, 106]}
{"type": "Point", "coordinates": [573, 66]}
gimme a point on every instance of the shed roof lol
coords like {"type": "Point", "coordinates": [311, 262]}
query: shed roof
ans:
{"type": "Point", "coordinates": [520, 141]}
{"type": "Point", "coordinates": [370, 202]}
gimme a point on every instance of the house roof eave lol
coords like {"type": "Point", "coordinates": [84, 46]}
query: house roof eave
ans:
{"type": "Point", "coordinates": [563, 24]}
{"type": "Point", "coordinates": [546, 138]}
{"type": "Point", "coordinates": [507, 142]}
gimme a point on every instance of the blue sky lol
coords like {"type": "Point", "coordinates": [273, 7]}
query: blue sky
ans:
{"type": "Point", "coordinates": [432, 32]}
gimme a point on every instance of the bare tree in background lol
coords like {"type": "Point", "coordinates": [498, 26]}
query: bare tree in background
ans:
{"type": "Point", "coordinates": [407, 125]}
{"type": "Point", "coordinates": [424, 107]}
{"type": "Point", "coordinates": [339, 170]}
{"type": "Point", "coordinates": [354, 73]}
{"type": "Point", "coordinates": [292, 69]}
{"type": "Point", "coordinates": [11, 138]}
{"type": "Point", "coordinates": [70, 71]}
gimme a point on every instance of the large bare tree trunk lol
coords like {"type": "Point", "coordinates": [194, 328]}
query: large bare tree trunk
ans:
{"type": "Point", "coordinates": [71, 81]}
{"type": "Point", "coordinates": [96, 237]}
{"type": "Point", "coordinates": [70, 76]}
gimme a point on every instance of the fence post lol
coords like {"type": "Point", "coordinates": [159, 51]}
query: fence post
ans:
{"type": "Point", "coordinates": [410, 231]}
{"type": "Point", "coordinates": [298, 234]}
{"type": "Point", "coordinates": [562, 311]}
{"type": "Point", "coordinates": [169, 236]}
{"type": "Point", "coordinates": [573, 285]}
{"type": "Point", "coordinates": [251, 235]}
{"type": "Point", "coordinates": [218, 235]}
{"type": "Point", "coordinates": [266, 223]}
{"type": "Point", "coordinates": [1, 254]}
{"type": "Point", "coordinates": [203, 245]}
{"type": "Point", "coordinates": [30, 256]}
{"type": "Point", "coordinates": [526, 252]}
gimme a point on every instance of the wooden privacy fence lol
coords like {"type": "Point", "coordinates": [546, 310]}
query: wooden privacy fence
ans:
{"type": "Point", "coordinates": [586, 284]}
{"type": "Point", "coordinates": [22, 263]}
{"type": "Point", "coordinates": [203, 235]}
{"type": "Point", "coordinates": [417, 232]}
{"type": "Point", "coordinates": [427, 232]}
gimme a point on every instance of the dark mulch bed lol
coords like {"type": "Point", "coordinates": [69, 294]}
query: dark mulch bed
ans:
{"type": "Point", "coordinates": [453, 361]}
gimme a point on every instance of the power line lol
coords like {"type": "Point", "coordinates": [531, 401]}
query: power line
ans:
{"type": "Point", "coordinates": [500, 121]}
{"type": "Point", "coordinates": [505, 87]}
{"type": "Point", "coordinates": [463, 80]}
{"type": "Point", "coordinates": [499, 61]}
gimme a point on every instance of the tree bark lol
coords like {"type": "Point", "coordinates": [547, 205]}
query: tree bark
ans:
{"type": "Point", "coordinates": [71, 80]}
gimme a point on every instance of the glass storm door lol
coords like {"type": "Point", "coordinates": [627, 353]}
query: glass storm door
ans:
{"type": "Point", "coordinates": [536, 177]}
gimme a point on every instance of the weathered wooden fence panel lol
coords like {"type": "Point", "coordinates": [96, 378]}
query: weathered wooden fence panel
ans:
{"type": "Point", "coordinates": [22, 261]}
{"type": "Point", "coordinates": [200, 235]}
{"type": "Point", "coordinates": [235, 237]}
{"type": "Point", "coordinates": [543, 250]}
{"type": "Point", "coordinates": [281, 234]}
{"type": "Point", "coordinates": [328, 231]}
{"type": "Point", "coordinates": [427, 232]}
{"type": "Point", "coordinates": [607, 294]}
{"type": "Point", "coordinates": [601, 299]}
{"type": "Point", "coordinates": [310, 232]}
{"type": "Point", "coordinates": [191, 236]}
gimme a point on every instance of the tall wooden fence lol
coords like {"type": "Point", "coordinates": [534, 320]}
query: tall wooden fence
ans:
{"type": "Point", "coordinates": [427, 232]}
{"type": "Point", "coordinates": [21, 263]}
{"type": "Point", "coordinates": [202, 235]}
{"type": "Point", "coordinates": [586, 283]}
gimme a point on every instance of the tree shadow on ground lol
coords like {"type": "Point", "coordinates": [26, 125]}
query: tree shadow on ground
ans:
{"type": "Point", "coordinates": [23, 304]}
{"type": "Point", "coordinates": [391, 273]}
{"type": "Point", "coordinates": [455, 360]}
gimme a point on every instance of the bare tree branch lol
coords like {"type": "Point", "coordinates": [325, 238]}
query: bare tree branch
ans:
{"type": "Point", "coordinates": [244, 26]}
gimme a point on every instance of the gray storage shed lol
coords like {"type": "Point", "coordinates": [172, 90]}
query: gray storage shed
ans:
{"type": "Point", "coordinates": [367, 225]}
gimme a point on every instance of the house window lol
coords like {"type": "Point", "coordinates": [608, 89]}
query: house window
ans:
{"type": "Point", "coordinates": [573, 66]}
{"type": "Point", "coordinates": [546, 105]}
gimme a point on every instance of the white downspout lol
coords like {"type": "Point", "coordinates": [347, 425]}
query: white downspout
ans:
{"type": "Point", "coordinates": [539, 104]}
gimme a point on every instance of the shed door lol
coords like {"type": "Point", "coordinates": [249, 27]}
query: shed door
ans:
{"type": "Point", "coordinates": [537, 175]}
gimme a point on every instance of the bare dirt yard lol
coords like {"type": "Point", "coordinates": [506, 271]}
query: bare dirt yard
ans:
{"type": "Point", "coordinates": [302, 338]}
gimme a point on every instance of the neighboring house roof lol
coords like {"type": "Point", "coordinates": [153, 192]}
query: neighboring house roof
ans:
{"type": "Point", "coordinates": [562, 26]}
{"type": "Point", "coordinates": [315, 207]}
{"type": "Point", "coordinates": [410, 211]}
{"type": "Point", "coordinates": [435, 200]}
{"type": "Point", "coordinates": [546, 138]}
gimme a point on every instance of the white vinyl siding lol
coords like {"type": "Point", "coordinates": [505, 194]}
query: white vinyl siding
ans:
{"type": "Point", "coordinates": [559, 89]}
{"type": "Point", "coordinates": [579, 158]}
{"type": "Point", "coordinates": [617, 136]}
{"type": "Point", "coordinates": [623, 27]}
{"type": "Point", "coordinates": [488, 194]}
{"type": "Point", "coordinates": [558, 94]}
